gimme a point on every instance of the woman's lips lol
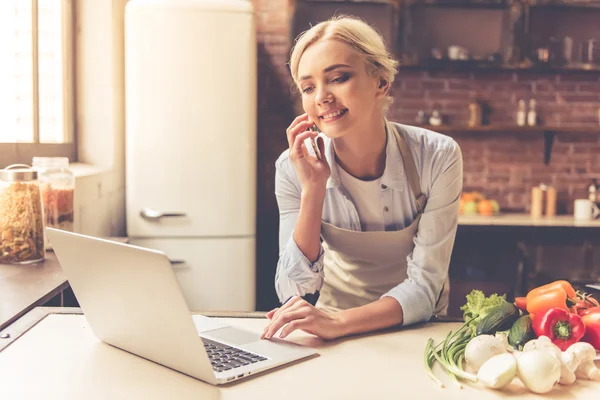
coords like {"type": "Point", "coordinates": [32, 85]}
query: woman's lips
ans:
{"type": "Point", "coordinates": [334, 116]}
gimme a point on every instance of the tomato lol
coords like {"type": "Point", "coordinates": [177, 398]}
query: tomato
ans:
{"type": "Point", "coordinates": [591, 310]}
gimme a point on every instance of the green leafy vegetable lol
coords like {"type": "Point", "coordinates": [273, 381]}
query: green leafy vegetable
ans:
{"type": "Point", "coordinates": [478, 306]}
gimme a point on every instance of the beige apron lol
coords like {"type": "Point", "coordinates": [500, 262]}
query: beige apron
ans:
{"type": "Point", "coordinates": [360, 267]}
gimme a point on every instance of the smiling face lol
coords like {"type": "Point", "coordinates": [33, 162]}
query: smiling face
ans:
{"type": "Point", "coordinates": [338, 94]}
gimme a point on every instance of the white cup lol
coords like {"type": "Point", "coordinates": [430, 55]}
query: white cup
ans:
{"type": "Point", "coordinates": [585, 210]}
{"type": "Point", "coordinates": [457, 53]}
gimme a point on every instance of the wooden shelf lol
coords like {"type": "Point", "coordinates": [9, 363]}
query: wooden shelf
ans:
{"type": "Point", "coordinates": [467, 4]}
{"type": "Point", "coordinates": [575, 5]}
{"type": "Point", "coordinates": [483, 66]}
{"type": "Point", "coordinates": [512, 129]}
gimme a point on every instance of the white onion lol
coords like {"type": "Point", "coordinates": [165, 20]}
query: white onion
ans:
{"type": "Point", "coordinates": [538, 369]}
{"type": "Point", "coordinates": [498, 371]}
{"type": "Point", "coordinates": [481, 348]}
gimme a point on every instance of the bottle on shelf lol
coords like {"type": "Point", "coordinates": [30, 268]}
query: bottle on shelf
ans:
{"type": "Point", "coordinates": [421, 119]}
{"type": "Point", "coordinates": [521, 113]}
{"type": "Point", "coordinates": [594, 192]}
{"type": "Point", "coordinates": [531, 114]}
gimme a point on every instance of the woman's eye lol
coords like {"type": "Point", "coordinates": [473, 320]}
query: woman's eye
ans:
{"type": "Point", "coordinates": [340, 79]}
{"type": "Point", "coordinates": [307, 89]}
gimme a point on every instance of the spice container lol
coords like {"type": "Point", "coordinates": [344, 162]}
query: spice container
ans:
{"type": "Point", "coordinates": [57, 188]}
{"type": "Point", "coordinates": [21, 216]}
{"type": "Point", "coordinates": [550, 201]}
{"type": "Point", "coordinates": [537, 201]}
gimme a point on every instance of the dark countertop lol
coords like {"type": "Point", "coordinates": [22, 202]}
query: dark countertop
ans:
{"type": "Point", "coordinates": [24, 287]}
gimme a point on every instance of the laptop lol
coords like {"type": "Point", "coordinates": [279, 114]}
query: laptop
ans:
{"type": "Point", "coordinates": [132, 301]}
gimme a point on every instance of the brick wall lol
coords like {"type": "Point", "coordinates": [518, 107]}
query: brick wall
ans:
{"type": "Point", "coordinates": [505, 165]}
{"type": "Point", "coordinates": [275, 112]}
{"type": "Point", "coordinates": [501, 165]}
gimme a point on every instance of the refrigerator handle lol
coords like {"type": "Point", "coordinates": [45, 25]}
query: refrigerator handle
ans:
{"type": "Point", "coordinates": [151, 215]}
{"type": "Point", "coordinates": [176, 262]}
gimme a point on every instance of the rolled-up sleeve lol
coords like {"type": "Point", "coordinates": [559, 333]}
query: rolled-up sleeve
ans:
{"type": "Point", "coordinates": [429, 261]}
{"type": "Point", "coordinates": [295, 274]}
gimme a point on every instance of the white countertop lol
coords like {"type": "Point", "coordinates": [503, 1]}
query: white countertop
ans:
{"type": "Point", "coordinates": [60, 359]}
{"type": "Point", "coordinates": [525, 220]}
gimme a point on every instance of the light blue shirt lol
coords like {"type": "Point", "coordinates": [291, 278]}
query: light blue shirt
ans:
{"type": "Point", "coordinates": [439, 164]}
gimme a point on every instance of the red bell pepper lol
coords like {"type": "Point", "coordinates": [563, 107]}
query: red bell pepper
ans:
{"type": "Point", "coordinates": [592, 328]}
{"type": "Point", "coordinates": [562, 327]}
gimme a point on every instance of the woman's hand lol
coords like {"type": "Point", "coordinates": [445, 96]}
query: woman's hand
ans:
{"type": "Point", "coordinates": [297, 313]}
{"type": "Point", "coordinates": [311, 172]}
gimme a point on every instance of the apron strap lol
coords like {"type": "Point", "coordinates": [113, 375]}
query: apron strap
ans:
{"type": "Point", "coordinates": [410, 167]}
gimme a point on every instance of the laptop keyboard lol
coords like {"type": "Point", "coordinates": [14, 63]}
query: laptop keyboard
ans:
{"type": "Point", "coordinates": [224, 357]}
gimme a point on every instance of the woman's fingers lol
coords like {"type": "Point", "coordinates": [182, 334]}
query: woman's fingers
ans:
{"type": "Point", "coordinates": [296, 151]}
{"type": "Point", "coordinates": [295, 130]}
{"type": "Point", "coordinates": [269, 315]}
{"type": "Point", "coordinates": [283, 319]}
{"type": "Point", "coordinates": [296, 121]}
{"type": "Point", "coordinates": [293, 304]}
{"type": "Point", "coordinates": [303, 323]}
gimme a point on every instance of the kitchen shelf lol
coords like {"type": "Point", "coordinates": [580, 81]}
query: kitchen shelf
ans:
{"type": "Point", "coordinates": [512, 129]}
{"type": "Point", "coordinates": [483, 66]}
{"type": "Point", "coordinates": [503, 4]}
{"type": "Point", "coordinates": [582, 5]}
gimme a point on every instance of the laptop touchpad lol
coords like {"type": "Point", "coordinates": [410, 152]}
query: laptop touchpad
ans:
{"type": "Point", "coordinates": [232, 336]}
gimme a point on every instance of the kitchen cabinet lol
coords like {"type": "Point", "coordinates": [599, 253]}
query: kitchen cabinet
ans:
{"type": "Point", "coordinates": [512, 35]}
{"type": "Point", "coordinates": [381, 14]}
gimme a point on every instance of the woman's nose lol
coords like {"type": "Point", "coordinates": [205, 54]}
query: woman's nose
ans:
{"type": "Point", "coordinates": [324, 96]}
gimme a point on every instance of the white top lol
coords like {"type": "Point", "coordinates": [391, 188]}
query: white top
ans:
{"type": "Point", "coordinates": [439, 164]}
{"type": "Point", "coordinates": [366, 196]}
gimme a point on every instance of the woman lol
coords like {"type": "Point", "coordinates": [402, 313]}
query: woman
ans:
{"type": "Point", "coordinates": [367, 230]}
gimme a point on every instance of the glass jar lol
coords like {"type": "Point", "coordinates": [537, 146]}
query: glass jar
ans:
{"type": "Point", "coordinates": [21, 216]}
{"type": "Point", "coordinates": [57, 187]}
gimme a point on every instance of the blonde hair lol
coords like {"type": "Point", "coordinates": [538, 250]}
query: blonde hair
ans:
{"type": "Point", "coordinates": [356, 33]}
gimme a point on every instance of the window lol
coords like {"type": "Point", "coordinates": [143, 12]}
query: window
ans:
{"type": "Point", "coordinates": [36, 80]}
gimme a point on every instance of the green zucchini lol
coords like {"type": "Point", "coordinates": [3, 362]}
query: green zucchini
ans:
{"type": "Point", "coordinates": [499, 318]}
{"type": "Point", "coordinates": [521, 332]}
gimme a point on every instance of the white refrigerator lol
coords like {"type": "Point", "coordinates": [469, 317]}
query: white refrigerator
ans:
{"type": "Point", "coordinates": [190, 89]}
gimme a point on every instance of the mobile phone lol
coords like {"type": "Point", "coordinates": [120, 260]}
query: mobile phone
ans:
{"type": "Point", "coordinates": [311, 144]}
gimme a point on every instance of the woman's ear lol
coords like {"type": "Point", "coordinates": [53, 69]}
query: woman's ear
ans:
{"type": "Point", "coordinates": [383, 87]}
